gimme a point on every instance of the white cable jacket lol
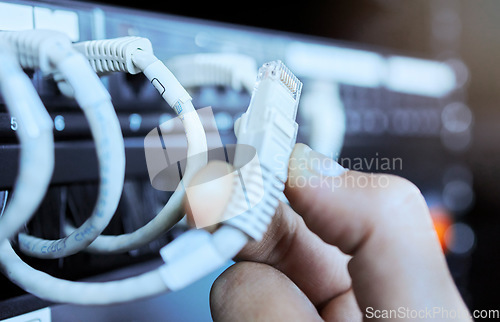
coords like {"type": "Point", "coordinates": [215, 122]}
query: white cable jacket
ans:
{"type": "Point", "coordinates": [323, 112]}
{"type": "Point", "coordinates": [224, 244]}
{"type": "Point", "coordinates": [96, 104]}
{"type": "Point", "coordinates": [269, 126]}
{"type": "Point", "coordinates": [173, 211]}
{"type": "Point", "coordinates": [197, 253]}
{"type": "Point", "coordinates": [36, 141]}
{"type": "Point", "coordinates": [167, 85]}
{"type": "Point", "coordinates": [177, 97]}
{"type": "Point", "coordinates": [54, 289]}
{"type": "Point", "coordinates": [98, 109]}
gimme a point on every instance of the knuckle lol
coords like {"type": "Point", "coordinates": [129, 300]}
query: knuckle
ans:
{"type": "Point", "coordinates": [401, 197]}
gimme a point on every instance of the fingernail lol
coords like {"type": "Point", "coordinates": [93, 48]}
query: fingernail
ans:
{"type": "Point", "coordinates": [323, 165]}
{"type": "Point", "coordinates": [305, 161]}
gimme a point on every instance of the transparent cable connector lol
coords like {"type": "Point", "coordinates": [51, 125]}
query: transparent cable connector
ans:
{"type": "Point", "coordinates": [277, 71]}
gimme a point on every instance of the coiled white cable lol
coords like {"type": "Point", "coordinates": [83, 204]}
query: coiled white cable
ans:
{"type": "Point", "coordinates": [53, 53]}
{"type": "Point", "coordinates": [269, 126]}
{"type": "Point", "coordinates": [134, 55]}
{"type": "Point", "coordinates": [196, 252]}
{"type": "Point", "coordinates": [327, 126]}
{"type": "Point", "coordinates": [214, 250]}
{"type": "Point", "coordinates": [36, 141]}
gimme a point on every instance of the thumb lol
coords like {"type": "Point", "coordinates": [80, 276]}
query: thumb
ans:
{"type": "Point", "coordinates": [208, 193]}
{"type": "Point", "coordinates": [383, 222]}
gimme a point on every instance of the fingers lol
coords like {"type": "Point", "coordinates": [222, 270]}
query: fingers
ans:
{"type": "Point", "coordinates": [256, 292]}
{"type": "Point", "coordinates": [319, 269]}
{"type": "Point", "coordinates": [383, 222]}
{"type": "Point", "coordinates": [208, 194]}
{"type": "Point", "coordinates": [342, 308]}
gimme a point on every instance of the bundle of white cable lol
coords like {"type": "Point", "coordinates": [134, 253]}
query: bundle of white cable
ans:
{"type": "Point", "coordinates": [36, 141]}
{"type": "Point", "coordinates": [53, 53]}
{"type": "Point", "coordinates": [132, 55]}
{"type": "Point", "coordinates": [237, 71]}
{"type": "Point", "coordinates": [212, 251]}
{"type": "Point", "coordinates": [197, 252]}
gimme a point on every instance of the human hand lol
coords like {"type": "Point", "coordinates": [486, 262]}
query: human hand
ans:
{"type": "Point", "coordinates": [349, 245]}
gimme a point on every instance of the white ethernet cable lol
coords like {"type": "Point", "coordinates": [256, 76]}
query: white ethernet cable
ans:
{"type": "Point", "coordinates": [236, 71]}
{"type": "Point", "coordinates": [269, 126]}
{"type": "Point", "coordinates": [36, 141]}
{"type": "Point", "coordinates": [215, 249]}
{"type": "Point", "coordinates": [52, 52]}
{"type": "Point", "coordinates": [134, 55]}
{"type": "Point", "coordinates": [196, 253]}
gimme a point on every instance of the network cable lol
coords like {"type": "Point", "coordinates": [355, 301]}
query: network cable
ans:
{"type": "Point", "coordinates": [269, 126]}
{"type": "Point", "coordinates": [53, 53]}
{"type": "Point", "coordinates": [134, 55]}
{"type": "Point", "coordinates": [34, 131]}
